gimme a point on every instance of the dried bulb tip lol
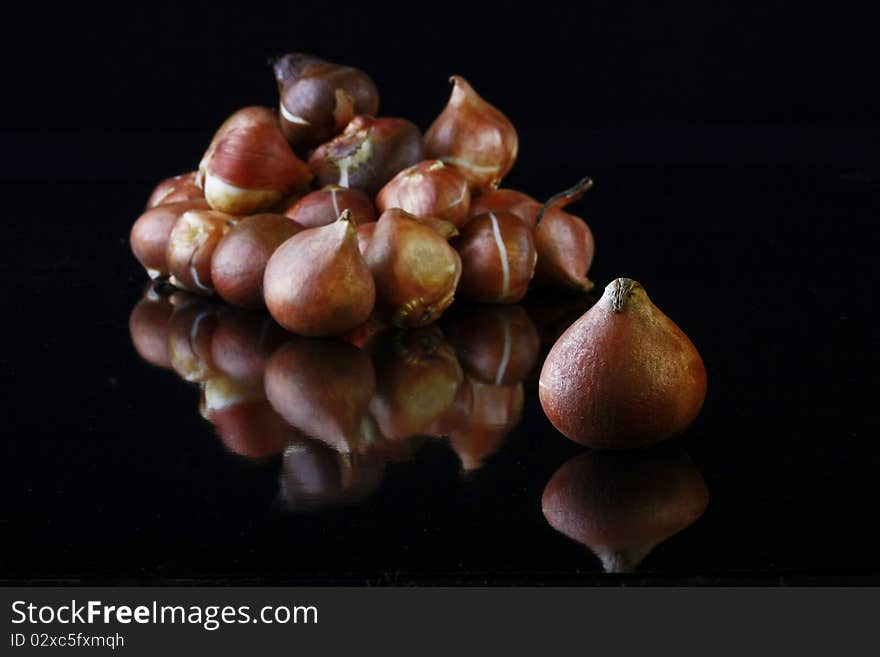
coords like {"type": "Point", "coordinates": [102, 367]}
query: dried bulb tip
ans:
{"type": "Point", "coordinates": [620, 290]}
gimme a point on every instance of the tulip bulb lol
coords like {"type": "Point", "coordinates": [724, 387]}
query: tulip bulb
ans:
{"type": "Point", "coordinates": [623, 375]}
{"type": "Point", "coordinates": [319, 98]}
{"type": "Point", "coordinates": [428, 189]}
{"type": "Point", "coordinates": [497, 258]}
{"type": "Point", "coordinates": [507, 200]}
{"type": "Point", "coordinates": [324, 206]}
{"type": "Point", "coordinates": [415, 269]}
{"type": "Point", "coordinates": [191, 247]}
{"type": "Point", "coordinates": [150, 234]}
{"type": "Point", "coordinates": [317, 283]}
{"type": "Point", "coordinates": [474, 136]}
{"type": "Point", "coordinates": [564, 242]}
{"type": "Point", "coordinates": [368, 153]}
{"type": "Point", "coordinates": [251, 168]}
{"type": "Point", "coordinates": [176, 189]}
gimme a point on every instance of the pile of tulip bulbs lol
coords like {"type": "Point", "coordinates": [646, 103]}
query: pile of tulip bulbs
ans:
{"type": "Point", "coordinates": [330, 217]}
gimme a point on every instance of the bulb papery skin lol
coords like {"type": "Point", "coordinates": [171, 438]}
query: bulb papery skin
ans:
{"type": "Point", "coordinates": [564, 242]}
{"type": "Point", "coordinates": [175, 190]}
{"type": "Point", "coordinates": [428, 189]}
{"type": "Point", "coordinates": [246, 117]}
{"type": "Point", "coordinates": [191, 247]}
{"type": "Point", "coordinates": [150, 234]}
{"type": "Point", "coordinates": [498, 258]}
{"type": "Point", "coordinates": [317, 284]}
{"type": "Point", "coordinates": [507, 200]}
{"type": "Point", "coordinates": [368, 153]}
{"type": "Point", "coordinates": [319, 98]}
{"type": "Point", "coordinates": [250, 167]}
{"type": "Point", "coordinates": [415, 269]}
{"type": "Point", "coordinates": [239, 261]}
{"type": "Point", "coordinates": [324, 206]}
{"type": "Point", "coordinates": [624, 375]}
{"type": "Point", "coordinates": [622, 504]}
{"type": "Point", "coordinates": [474, 136]}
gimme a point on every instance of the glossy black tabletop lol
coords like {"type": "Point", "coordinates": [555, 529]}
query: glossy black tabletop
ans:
{"type": "Point", "coordinates": [111, 474]}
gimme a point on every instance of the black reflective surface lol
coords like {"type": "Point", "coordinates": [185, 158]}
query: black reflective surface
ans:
{"type": "Point", "coordinates": [111, 473]}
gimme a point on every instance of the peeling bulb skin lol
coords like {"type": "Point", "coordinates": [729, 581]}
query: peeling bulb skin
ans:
{"type": "Point", "coordinates": [323, 388]}
{"type": "Point", "coordinates": [429, 189]}
{"type": "Point", "coordinates": [621, 505]}
{"type": "Point", "coordinates": [319, 98]}
{"type": "Point", "coordinates": [368, 153]}
{"type": "Point", "coordinates": [564, 243]}
{"type": "Point", "coordinates": [507, 200]}
{"type": "Point", "coordinates": [624, 375]}
{"type": "Point", "coordinates": [150, 234]}
{"type": "Point", "coordinates": [415, 269]}
{"type": "Point", "coordinates": [497, 258]}
{"type": "Point", "coordinates": [317, 283]}
{"type": "Point", "coordinates": [239, 260]}
{"type": "Point", "coordinates": [473, 136]}
{"type": "Point", "coordinates": [191, 247]}
{"type": "Point", "coordinates": [324, 206]}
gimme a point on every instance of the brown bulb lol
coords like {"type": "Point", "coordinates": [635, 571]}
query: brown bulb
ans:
{"type": "Point", "coordinates": [176, 189]}
{"type": "Point", "coordinates": [319, 98]}
{"type": "Point", "coordinates": [418, 381]}
{"type": "Point", "coordinates": [317, 283]}
{"type": "Point", "coordinates": [507, 200]}
{"type": "Point", "coordinates": [245, 422]}
{"type": "Point", "coordinates": [246, 117]}
{"type": "Point", "coordinates": [415, 269]}
{"type": "Point", "coordinates": [152, 230]}
{"type": "Point", "coordinates": [474, 136]}
{"type": "Point", "coordinates": [148, 327]}
{"type": "Point", "coordinates": [428, 189]}
{"type": "Point", "coordinates": [564, 242]}
{"type": "Point", "coordinates": [251, 168]}
{"type": "Point", "coordinates": [623, 375]}
{"type": "Point", "coordinates": [497, 258]}
{"type": "Point", "coordinates": [323, 388]}
{"type": "Point", "coordinates": [368, 154]}
{"type": "Point", "coordinates": [242, 343]}
{"type": "Point", "coordinates": [190, 331]}
{"type": "Point", "coordinates": [314, 476]}
{"type": "Point", "coordinates": [191, 246]}
{"type": "Point", "coordinates": [621, 505]}
{"type": "Point", "coordinates": [493, 412]}
{"type": "Point", "coordinates": [324, 206]}
{"type": "Point", "coordinates": [239, 261]}
{"type": "Point", "coordinates": [496, 344]}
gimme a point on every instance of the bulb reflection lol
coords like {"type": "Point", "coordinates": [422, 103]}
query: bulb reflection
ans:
{"type": "Point", "coordinates": [336, 411]}
{"type": "Point", "coordinates": [621, 505]}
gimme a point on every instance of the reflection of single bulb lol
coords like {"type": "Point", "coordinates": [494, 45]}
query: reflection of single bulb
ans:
{"type": "Point", "coordinates": [621, 505]}
{"type": "Point", "coordinates": [313, 475]}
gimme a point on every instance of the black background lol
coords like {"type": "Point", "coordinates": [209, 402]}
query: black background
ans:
{"type": "Point", "coordinates": [737, 177]}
